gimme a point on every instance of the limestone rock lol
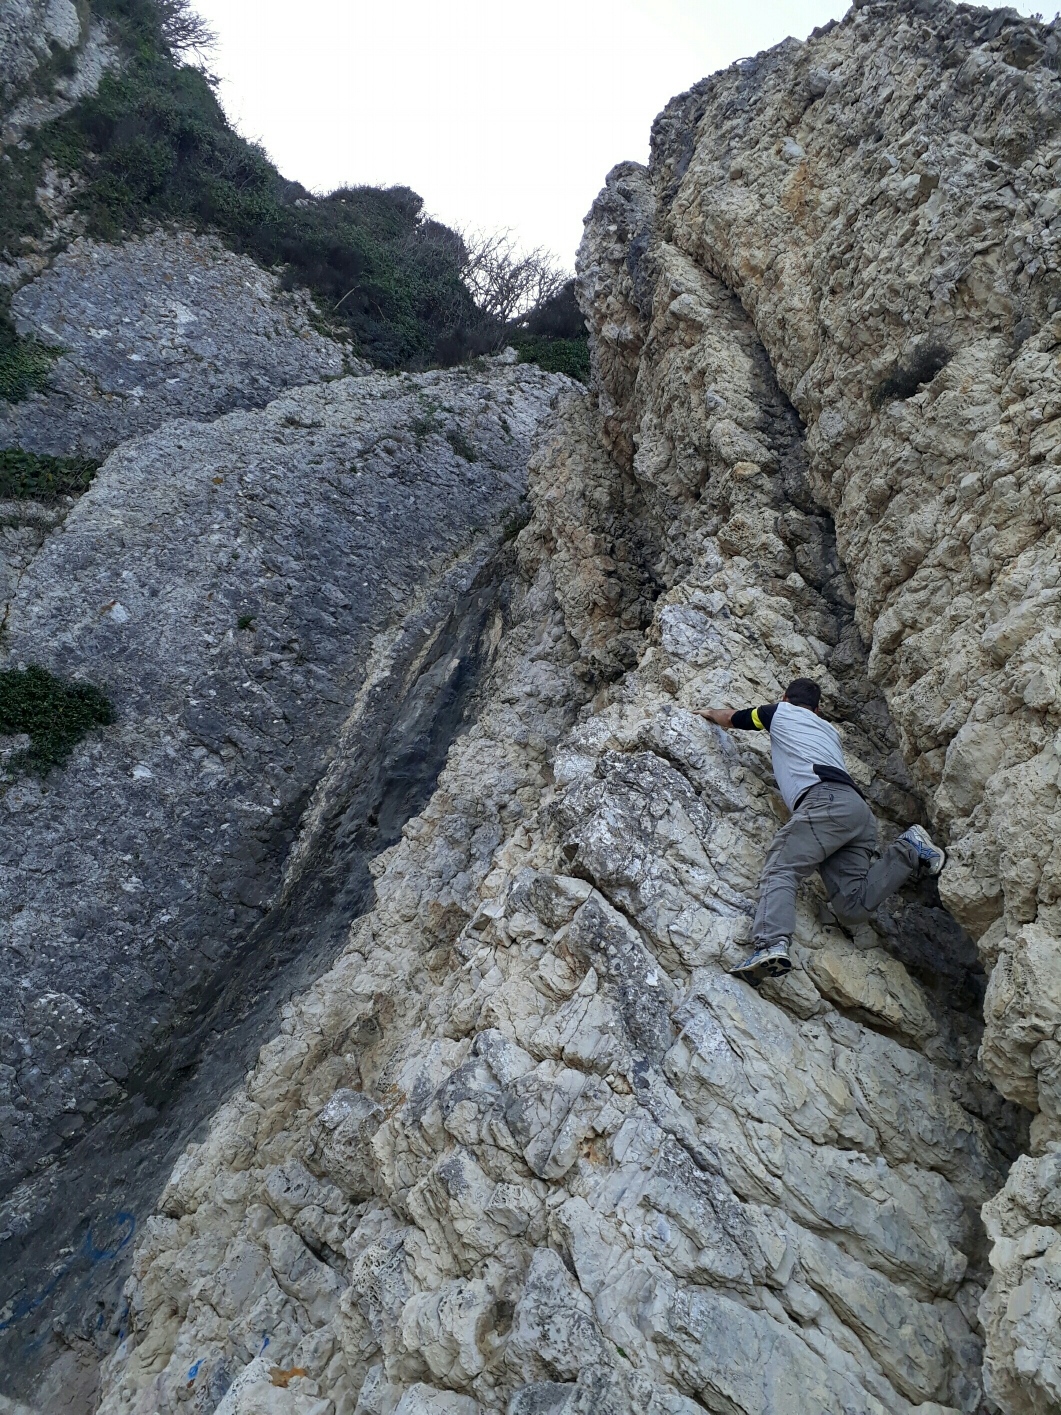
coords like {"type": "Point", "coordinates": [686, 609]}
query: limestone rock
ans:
{"type": "Point", "coordinates": [32, 34]}
{"type": "Point", "coordinates": [289, 611]}
{"type": "Point", "coordinates": [526, 1146]}
{"type": "Point", "coordinates": [1021, 1310]}
{"type": "Point", "coordinates": [589, 1171]}
{"type": "Point", "coordinates": [341, 1142]}
{"type": "Point", "coordinates": [915, 333]}
{"type": "Point", "coordinates": [881, 201]}
{"type": "Point", "coordinates": [164, 326]}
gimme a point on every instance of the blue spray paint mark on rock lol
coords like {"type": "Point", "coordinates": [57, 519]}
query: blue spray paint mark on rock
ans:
{"type": "Point", "coordinates": [122, 1226]}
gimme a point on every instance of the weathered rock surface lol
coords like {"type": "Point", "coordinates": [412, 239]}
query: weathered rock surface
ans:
{"type": "Point", "coordinates": [33, 34]}
{"type": "Point", "coordinates": [903, 207]}
{"type": "Point", "coordinates": [288, 609]}
{"type": "Point", "coordinates": [526, 1147]}
{"type": "Point", "coordinates": [165, 326]}
{"type": "Point", "coordinates": [882, 200]}
{"type": "Point", "coordinates": [24, 527]}
{"type": "Point", "coordinates": [28, 31]}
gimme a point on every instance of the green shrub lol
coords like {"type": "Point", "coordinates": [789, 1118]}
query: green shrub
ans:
{"type": "Point", "coordinates": [24, 369]}
{"type": "Point", "coordinates": [152, 146]}
{"type": "Point", "coordinates": [25, 365]}
{"type": "Point", "coordinates": [557, 317]}
{"type": "Point", "coordinates": [54, 714]}
{"type": "Point", "coordinates": [460, 444]}
{"type": "Point", "coordinates": [25, 476]}
{"type": "Point", "coordinates": [570, 356]}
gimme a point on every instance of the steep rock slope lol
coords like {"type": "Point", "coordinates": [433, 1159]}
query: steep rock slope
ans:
{"type": "Point", "coordinates": [883, 200]}
{"type": "Point", "coordinates": [161, 327]}
{"type": "Point", "coordinates": [288, 609]}
{"type": "Point", "coordinates": [165, 326]}
{"type": "Point", "coordinates": [527, 1143]}
{"type": "Point", "coordinates": [254, 594]}
{"type": "Point", "coordinates": [527, 1148]}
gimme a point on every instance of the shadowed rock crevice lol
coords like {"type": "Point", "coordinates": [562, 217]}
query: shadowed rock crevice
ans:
{"type": "Point", "coordinates": [403, 728]}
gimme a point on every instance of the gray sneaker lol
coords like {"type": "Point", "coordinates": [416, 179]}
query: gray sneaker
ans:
{"type": "Point", "coordinates": [769, 961]}
{"type": "Point", "coordinates": [930, 857]}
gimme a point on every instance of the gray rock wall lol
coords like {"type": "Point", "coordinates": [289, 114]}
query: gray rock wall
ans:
{"type": "Point", "coordinates": [28, 31]}
{"type": "Point", "coordinates": [247, 592]}
{"type": "Point", "coordinates": [526, 1147]}
{"type": "Point", "coordinates": [168, 325]}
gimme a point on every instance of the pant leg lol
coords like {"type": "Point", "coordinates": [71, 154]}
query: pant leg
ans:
{"type": "Point", "coordinates": [857, 882]}
{"type": "Point", "coordinates": [821, 827]}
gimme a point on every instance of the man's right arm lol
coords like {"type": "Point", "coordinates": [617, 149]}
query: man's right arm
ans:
{"type": "Point", "coordinates": [743, 719]}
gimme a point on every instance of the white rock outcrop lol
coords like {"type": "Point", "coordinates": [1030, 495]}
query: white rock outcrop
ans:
{"type": "Point", "coordinates": [527, 1147]}
{"type": "Point", "coordinates": [882, 201]}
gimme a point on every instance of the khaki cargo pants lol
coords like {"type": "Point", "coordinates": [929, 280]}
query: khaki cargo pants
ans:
{"type": "Point", "coordinates": [832, 831]}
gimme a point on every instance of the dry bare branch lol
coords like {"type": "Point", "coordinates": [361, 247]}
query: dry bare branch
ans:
{"type": "Point", "coordinates": [184, 30]}
{"type": "Point", "coordinates": [505, 281]}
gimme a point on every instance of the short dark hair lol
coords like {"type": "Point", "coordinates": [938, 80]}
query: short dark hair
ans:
{"type": "Point", "coordinates": [804, 692]}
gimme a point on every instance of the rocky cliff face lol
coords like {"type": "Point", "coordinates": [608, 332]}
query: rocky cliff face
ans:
{"type": "Point", "coordinates": [287, 575]}
{"type": "Point", "coordinates": [288, 611]}
{"type": "Point", "coordinates": [165, 326]}
{"type": "Point", "coordinates": [882, 201]}
{"type": "Point", "coordinates": [52, 52]}
{"type": "Point", "coordinates": [525, 1146]}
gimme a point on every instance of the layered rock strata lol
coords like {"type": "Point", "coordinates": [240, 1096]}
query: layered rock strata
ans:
{"type": "Point", "coordinates": [884, 201]}
{"type": "Point", "coordinates": [527, 1147]}
{"type": "Point", "coordinates": [288, 609]}
{"type": "Point", "coordinates": [165, 326]}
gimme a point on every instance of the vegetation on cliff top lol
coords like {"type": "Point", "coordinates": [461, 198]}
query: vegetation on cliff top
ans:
{"type": "Point", "coordinates": [553, 335]}
{"type": "Point", "coordinates": [152, 145]}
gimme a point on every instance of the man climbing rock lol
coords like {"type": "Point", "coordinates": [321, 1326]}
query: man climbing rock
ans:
{"type": "Point", "coordinates": [831, 829]}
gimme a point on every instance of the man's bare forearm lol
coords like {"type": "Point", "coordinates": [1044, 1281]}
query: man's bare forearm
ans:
{"type": "Point", "coordinates": [723, 717]}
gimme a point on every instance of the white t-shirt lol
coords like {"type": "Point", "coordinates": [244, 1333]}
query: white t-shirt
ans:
{"type": "Point", "coordinates": [800, 740]}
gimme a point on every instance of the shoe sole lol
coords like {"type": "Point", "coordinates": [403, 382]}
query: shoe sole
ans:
{"type": "Point", "coordinates": [774, 968]}
{"type": "Point", "coordinates": [934, 871]}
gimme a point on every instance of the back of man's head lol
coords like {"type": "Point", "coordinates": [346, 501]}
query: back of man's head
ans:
{"type": "Point", "coordinates": [804, 692]}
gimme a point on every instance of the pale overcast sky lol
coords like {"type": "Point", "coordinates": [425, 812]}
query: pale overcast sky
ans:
{"type": "Point", "coordinates": [498, 112]}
